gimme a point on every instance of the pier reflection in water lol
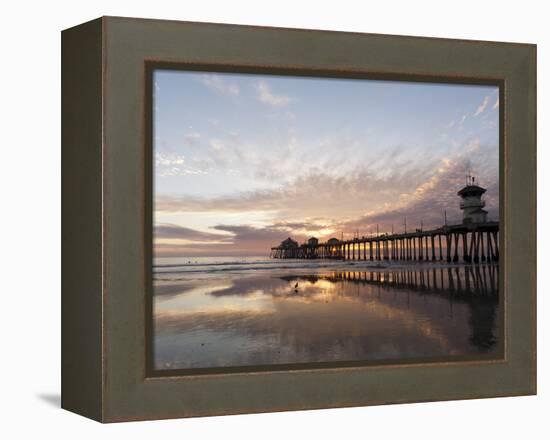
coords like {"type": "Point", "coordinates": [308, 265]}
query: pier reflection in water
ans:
{"type": "Point", "coordinates": [363, 315]}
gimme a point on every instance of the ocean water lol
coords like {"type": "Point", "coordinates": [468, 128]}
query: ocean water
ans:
{"type": "Point", "coordinates": [207, 267]}
{"type": "Point", "coordinates": [254, 311]}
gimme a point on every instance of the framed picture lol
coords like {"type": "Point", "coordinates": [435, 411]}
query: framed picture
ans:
{"type": "Point", "coordinates": [263, 219]}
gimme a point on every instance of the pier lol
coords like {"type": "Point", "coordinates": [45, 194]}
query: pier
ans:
{"type": "Point", "coordinates": [470, 243]}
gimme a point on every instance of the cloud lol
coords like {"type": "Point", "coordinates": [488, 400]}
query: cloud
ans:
{"type": "Point", "coordinates": [249, 234]}
{"type": "Point", "coordinates": [482, 106]}
{"type": "Point", "coordinates": [316, 203]}
{"type": "Point", "coordinates": [425, 202]}
{"type": "Point", "coordinates": [383, 191]}
{"type": "Point", "coordinates": [171, 231]}
{"type": "Point", "coordinates": [266, 96]}
{"type": "Point", "coordinates": [168, 165]}
{"type": "Point", "coordinates": [230, 240]}
{"type": "Point", "coordinates": [218, 84]}
{"type": "Point", "coordinates": [168, 160]}
{"type": "Point", "coordinates": [315, 193]}
{"type": "Point", "coordinates": [179, 171]}
{"type": "Point", "coordinates": [175, 240]}
{"type": "Point", "coordinates": [496, 104]}
{"type": "Point", "coordinates": [304, 225]}
{"type": "Point", "coordinates": [192, 137]}
{"type": "Point", "coordinates": [428, 202]}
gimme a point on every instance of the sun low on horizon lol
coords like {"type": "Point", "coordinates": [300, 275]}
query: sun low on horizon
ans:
{"type": "Point", "coordinates": [243, 161]}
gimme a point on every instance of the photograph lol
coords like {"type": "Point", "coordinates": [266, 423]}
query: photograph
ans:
{"type": "Point", "coordinates": [303, 221]}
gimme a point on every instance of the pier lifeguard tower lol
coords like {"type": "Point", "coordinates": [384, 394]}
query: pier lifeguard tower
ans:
{"type": "Point", "coordinates": [471, 204]}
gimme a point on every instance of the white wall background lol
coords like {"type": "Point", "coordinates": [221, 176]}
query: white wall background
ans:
{"type": "Point", "coordinates": [30, 220]}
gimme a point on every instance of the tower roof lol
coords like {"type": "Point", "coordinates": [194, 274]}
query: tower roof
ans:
{"type": "Point", "coordinates": [471, 190]}
{"type": "Point", "coordinates": [289, 242]}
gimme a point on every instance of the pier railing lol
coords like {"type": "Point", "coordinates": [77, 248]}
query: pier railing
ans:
{"type": "Point", "coordinates": [470, 242]}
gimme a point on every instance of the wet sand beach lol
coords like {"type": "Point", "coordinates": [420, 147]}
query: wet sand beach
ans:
{"type": "Point", "coordinates": [324, 313]}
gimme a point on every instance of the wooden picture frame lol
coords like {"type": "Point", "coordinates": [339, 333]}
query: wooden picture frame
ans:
{"type": "Point", "coordinates": [107, 217]}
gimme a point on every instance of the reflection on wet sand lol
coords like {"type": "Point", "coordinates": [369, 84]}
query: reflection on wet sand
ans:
{"type": "Point", "coordinates": [327, 316]}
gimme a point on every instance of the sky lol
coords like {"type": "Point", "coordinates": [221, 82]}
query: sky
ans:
{"type": "Point", "coordinates": [243, 161]}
